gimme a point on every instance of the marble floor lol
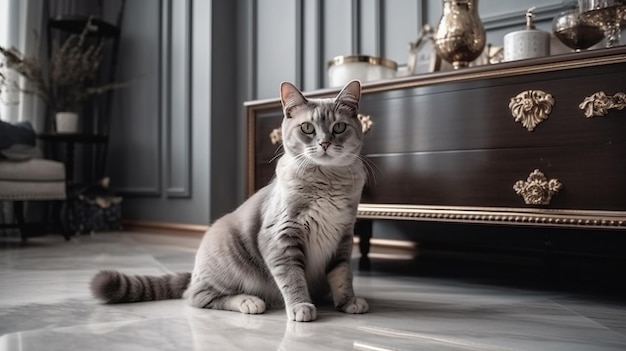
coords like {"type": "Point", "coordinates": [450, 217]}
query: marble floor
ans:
{"type": "Point", "coordinates": [45, 304]}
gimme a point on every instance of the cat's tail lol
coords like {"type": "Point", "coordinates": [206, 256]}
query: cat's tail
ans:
{"type": "Point", "coordinates": [117, 287]}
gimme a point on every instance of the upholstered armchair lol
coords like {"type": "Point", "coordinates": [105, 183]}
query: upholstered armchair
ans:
{"type": "Point", "coordinates": [25, 176]}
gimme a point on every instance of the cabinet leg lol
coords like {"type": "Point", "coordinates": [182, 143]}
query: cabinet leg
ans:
{"type": "Point", "coordinates": [550, 261]}
{"type": "Point", "coordinates": [363, 228]}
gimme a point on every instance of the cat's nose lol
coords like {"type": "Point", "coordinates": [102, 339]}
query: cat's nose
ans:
{"type": "Point", "coordinates": [325, 144]}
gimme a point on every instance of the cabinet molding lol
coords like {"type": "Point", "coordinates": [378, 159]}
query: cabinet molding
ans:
{"type": "Point", "coordinates": [497, 215]}
{"type": "Point", "coordinates": [516, 18]}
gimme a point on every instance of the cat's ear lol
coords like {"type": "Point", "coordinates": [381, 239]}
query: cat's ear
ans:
{"type": "Point", "coordinates": [350, 95]}
{"type": "Point", "coordinates": [290, 97]}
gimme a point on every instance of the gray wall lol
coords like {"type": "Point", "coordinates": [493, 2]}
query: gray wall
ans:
{"type": "Point", "coordinates": [177, 139]}
{"type": "Point", "coordinates": [294, 40]}
{"type": "Point", "coordinates": [173, 146]}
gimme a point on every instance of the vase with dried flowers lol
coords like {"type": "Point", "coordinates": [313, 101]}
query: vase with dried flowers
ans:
{"type": "Point", "coordinates": [71, 78]}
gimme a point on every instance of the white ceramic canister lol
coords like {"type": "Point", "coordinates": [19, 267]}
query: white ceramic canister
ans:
{"type": "Point", "coordinates": [343, 69]}
{"type": "Point", "coordinates": [527, 43]}
{"type": "Point", "coordinates": [66, 122]}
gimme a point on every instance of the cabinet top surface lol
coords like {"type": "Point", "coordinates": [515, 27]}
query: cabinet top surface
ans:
{"type": "Point", "coordinates": [552, 63]}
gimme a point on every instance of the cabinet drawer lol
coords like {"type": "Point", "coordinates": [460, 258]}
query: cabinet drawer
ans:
{"type": "Point", "coordinates": [591, 177]}
{"type": "Point", "coordinates": [473, 115]}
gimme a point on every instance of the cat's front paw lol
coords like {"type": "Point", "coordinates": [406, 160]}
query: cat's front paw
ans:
{"type": "Point", "coordinates": [302, 312]}
{"type": "Point", "coordinates": [252, 305]}
{"type": "Point", "coordinates": [355, 305]}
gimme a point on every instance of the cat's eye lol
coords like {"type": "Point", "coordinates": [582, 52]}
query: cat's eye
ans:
{"type": "Point", "coordinates": [339, 128]}
{"type": "Point", "coordinates": [307, 128]}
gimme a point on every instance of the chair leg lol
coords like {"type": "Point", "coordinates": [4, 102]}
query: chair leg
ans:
{"type": "Point", "coordinates": [64, 217]}
{"type": "Point", "coordinates": [18, 212]}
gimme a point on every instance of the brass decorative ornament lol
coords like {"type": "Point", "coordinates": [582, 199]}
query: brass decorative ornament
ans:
{"type": "Point", "coordinates": [531, 107]}
{"type": "Point", "coordinates": [537, 189]}
{"type": "Point", "coordinates": [599, 104]}
{"type": "Point", "coordinates": [366, 122]}
{"type": "Point", "coordinates": [276, 135]}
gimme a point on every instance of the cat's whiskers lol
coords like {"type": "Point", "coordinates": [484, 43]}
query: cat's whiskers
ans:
{"type": "Point", "coordinates": [370, 167]}
{"type": "Point", "coordinates": [302, 162]}
{"type": "Point", "coordinates": [278, 155]}
{"type": "Point", "coordinates": [280, 146]}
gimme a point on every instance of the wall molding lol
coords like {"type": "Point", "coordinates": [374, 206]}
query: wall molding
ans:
{"type": "Point", "coordinates": [320, 44]}
{"type": "Point", "coordinates": [182, 190]}
{"type": "Point", "coordinates": [313, 69]}
{"type": "Point", "coordinates": [355, 5]}
{"type": "Point", "coordinates": [422, 15]}
{"type": "Point", "coordinates": [155, 191]}
{"type": "Point", "coordinates": [165, 81]}
{"type": "Point", "coordinates": [299, 43]}
{"type": "Point", "coordinates": [516, 18]}
{"type": "Point", "coordinates": [252, 43]}
{"type": "Point", "coordinates": [379, 24]}
{"type": "Point", "coordinates": [138, 192]}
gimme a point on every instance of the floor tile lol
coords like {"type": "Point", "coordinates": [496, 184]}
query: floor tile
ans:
{"type": "Point", "coordinates": [45, 304]}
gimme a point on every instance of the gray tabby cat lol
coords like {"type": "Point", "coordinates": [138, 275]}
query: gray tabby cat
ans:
{"type": "Point", "coordinates": [289, 243]}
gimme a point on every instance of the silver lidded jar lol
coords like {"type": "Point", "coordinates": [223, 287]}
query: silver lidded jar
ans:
{"type": "Point", "coordinates": [528, 42]}
{"type": "Point", "coordinates": [460, 35]}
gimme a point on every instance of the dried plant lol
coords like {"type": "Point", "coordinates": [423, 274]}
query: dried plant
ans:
{"type": "Point", "coordinates": [71, 80]}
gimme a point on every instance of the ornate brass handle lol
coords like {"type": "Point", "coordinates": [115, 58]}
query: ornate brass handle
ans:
{"type": "Point", "coordinates": [276, 135]}
{"type": "Point", "coordinates": [598, 104]}
{"type": "Point", "coordinates": [537, 189]}
{"type": "Point", "coordinates": [366, 122]}
{"type": "Point", "coordinates": [531, 107]}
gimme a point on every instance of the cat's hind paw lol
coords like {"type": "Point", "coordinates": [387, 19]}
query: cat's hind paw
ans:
{"type": "Point", "coordinates": [302, 312]}
{"type": "Point", "coordinates": [354, 305]}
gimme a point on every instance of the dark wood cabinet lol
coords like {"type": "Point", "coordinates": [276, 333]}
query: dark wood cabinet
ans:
{"type": "Point", "coordinates": [447, 147]}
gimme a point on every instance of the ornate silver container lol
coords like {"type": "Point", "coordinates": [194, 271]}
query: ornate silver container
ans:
{"type": "Point", "coordinates": [574, 31]}
{"type": "Point", "coordinates": [607, 14]}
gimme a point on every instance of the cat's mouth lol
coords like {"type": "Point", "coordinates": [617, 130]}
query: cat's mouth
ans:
{"type": "Point", "coordinates": [325, 156]}
{"type": "Point", "coordinates": [327, 159]}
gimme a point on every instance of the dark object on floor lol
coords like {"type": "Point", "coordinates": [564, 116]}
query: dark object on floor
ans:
{"type": "Point", "coordinates": [95, 208]}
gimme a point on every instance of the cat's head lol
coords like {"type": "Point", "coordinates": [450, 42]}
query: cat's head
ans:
{"type": "Point", "coordinates": [325, 132]}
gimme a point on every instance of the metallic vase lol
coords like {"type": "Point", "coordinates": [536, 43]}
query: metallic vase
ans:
{"type": "Point", "coordinates": [460, 35]}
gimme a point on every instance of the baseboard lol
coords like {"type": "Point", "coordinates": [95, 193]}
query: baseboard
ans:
{"type": "Point", "coordinates": [199, 230]}
{"type": "Point", "coordinates": [390, 243]}
{"type": "Point", "coordinates": [165, 227]}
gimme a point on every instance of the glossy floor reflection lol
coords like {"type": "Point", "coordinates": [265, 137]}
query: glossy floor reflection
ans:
{"type": "Point", "coordinates": [45, 305]}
